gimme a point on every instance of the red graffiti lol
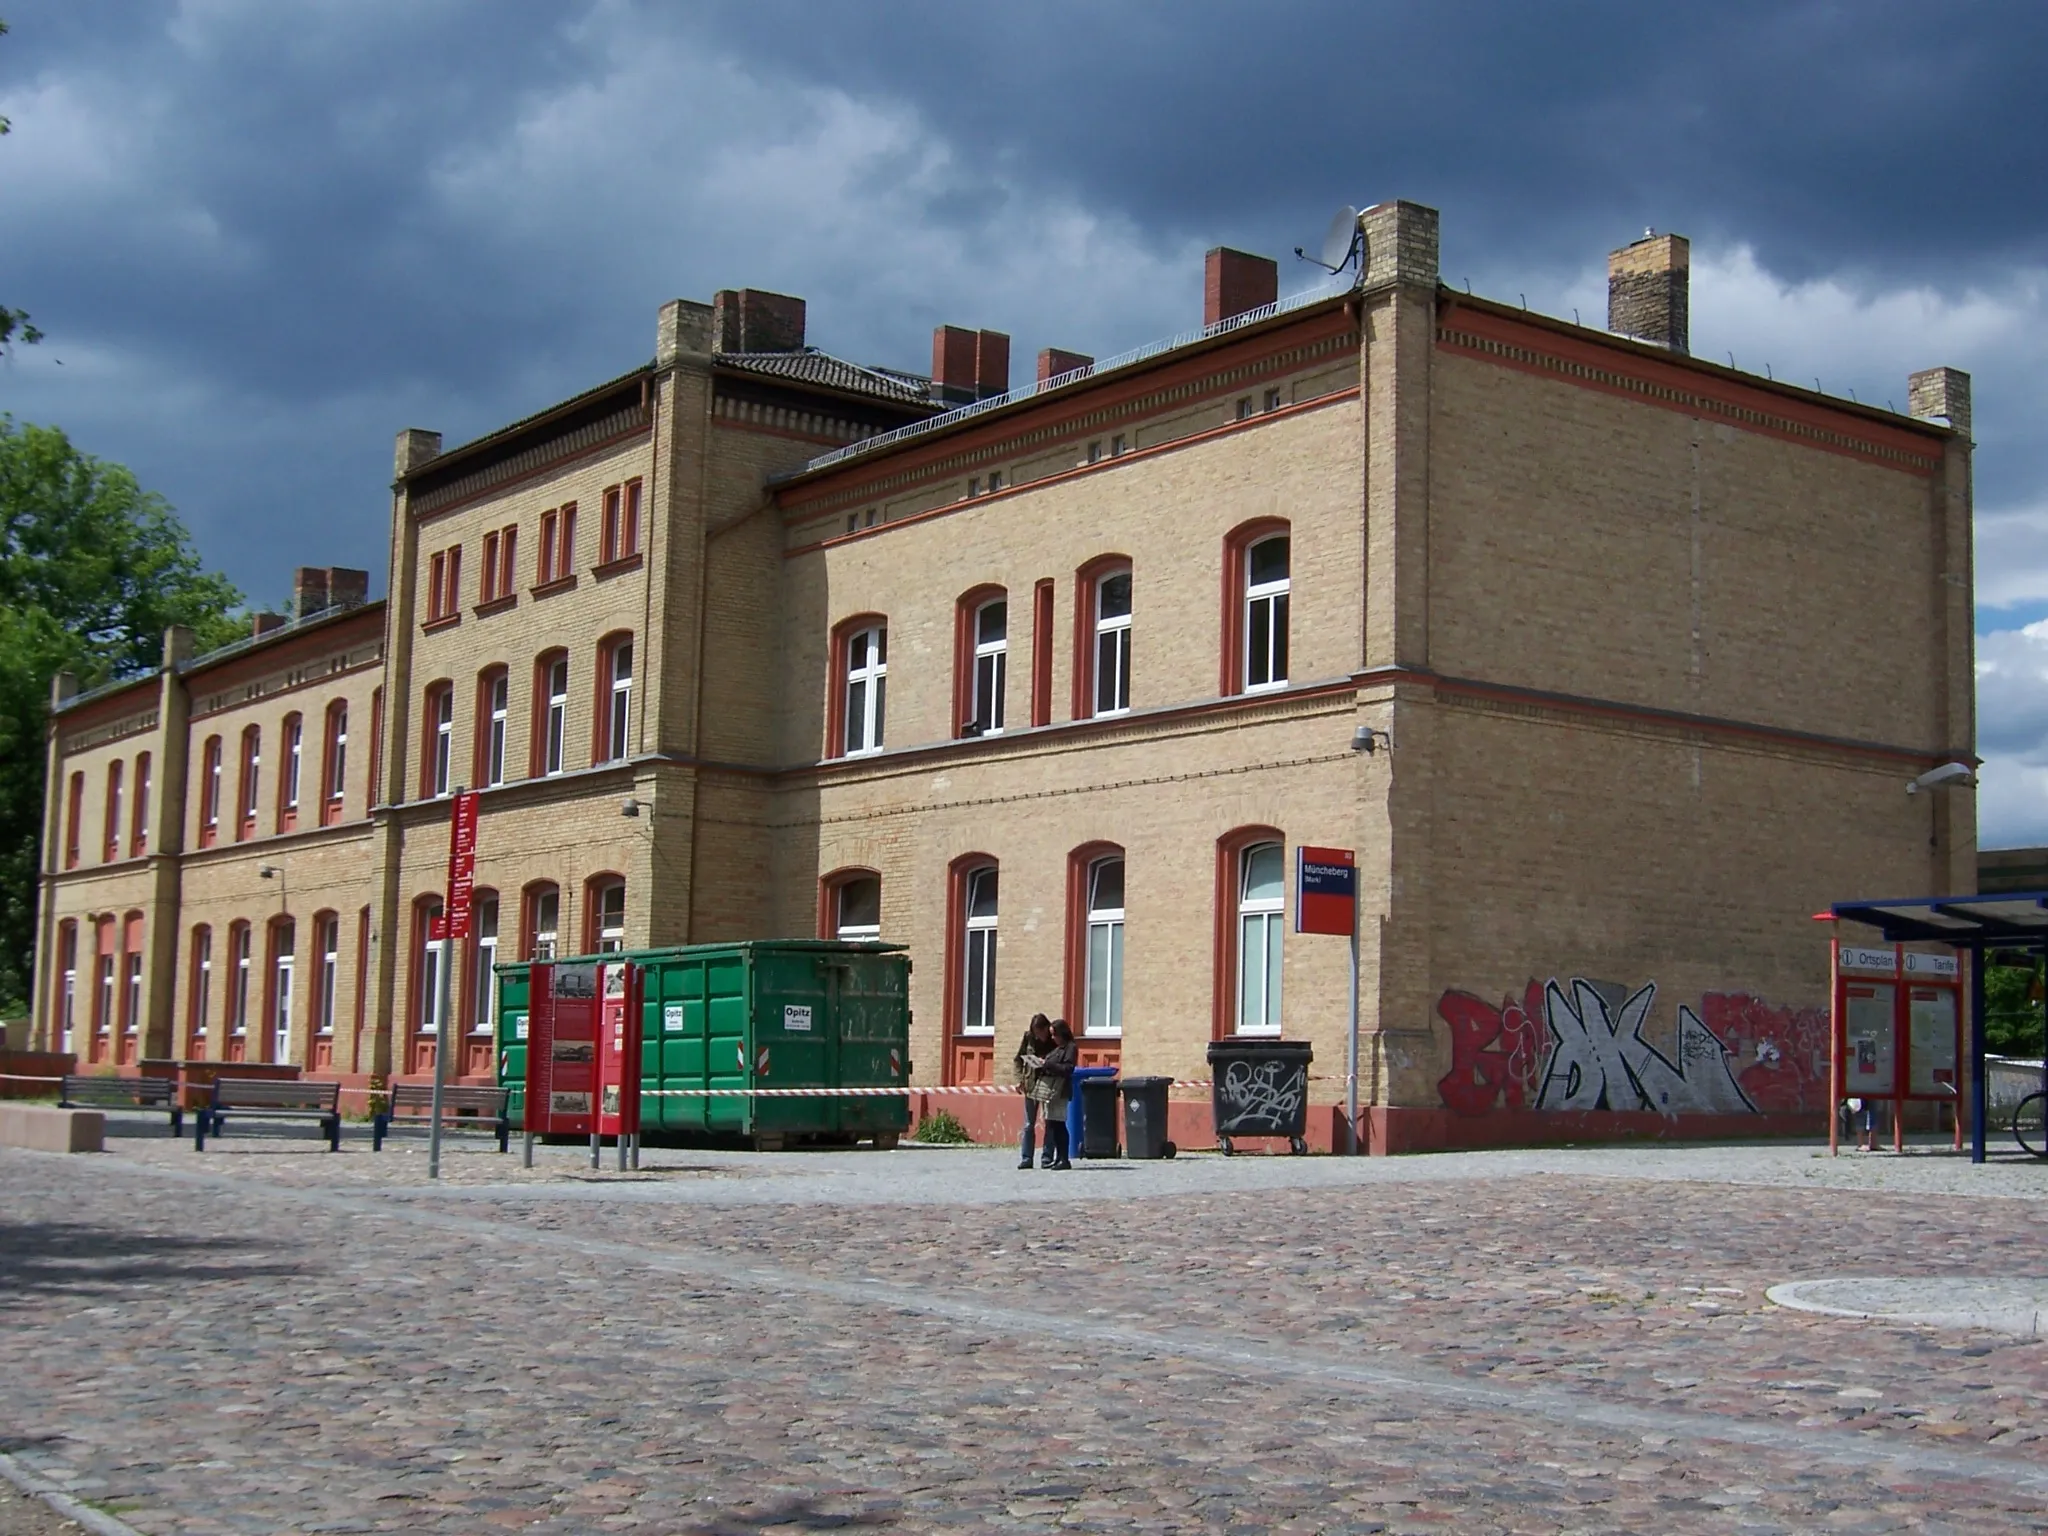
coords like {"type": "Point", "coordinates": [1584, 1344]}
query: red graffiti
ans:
{"type": "Point", "coordinates": [1780, 1055]}
{"type": "Point", "coordinates": [1496, 1053]}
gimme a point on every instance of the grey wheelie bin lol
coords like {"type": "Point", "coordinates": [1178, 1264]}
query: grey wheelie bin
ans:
{"type": "Point", "coordinates": [1145, 1117]}
{"type": "Point", "coordinates": [1260, 1088]}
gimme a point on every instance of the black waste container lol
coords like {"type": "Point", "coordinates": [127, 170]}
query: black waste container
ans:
{"type": "Point", "coordinates": [1098, 1114]}
{"type": "Point", "coordinates": [1145, 1117]}
{"type": "Point", "coordinates": [1259, 1088]}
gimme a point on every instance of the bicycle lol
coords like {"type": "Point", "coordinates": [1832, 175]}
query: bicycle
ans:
{"type": "Point", "coordinates": [2030, 1125]}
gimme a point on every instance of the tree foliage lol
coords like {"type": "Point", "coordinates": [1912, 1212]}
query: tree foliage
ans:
{"type": "Point", "coordinates": [14, 325]}
{"type": "Point", "coordinates": [2012, 1009]}
{"type": "Point", "coordinates": [93, 569]}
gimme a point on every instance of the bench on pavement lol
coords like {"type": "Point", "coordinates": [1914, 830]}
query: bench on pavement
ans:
{"type": "Point", "coordinates": [463, 1107]}
{"type": "Point", "coordinates": [81, 1092]}
{"type": "Point", "coordinates": [271, 1098]}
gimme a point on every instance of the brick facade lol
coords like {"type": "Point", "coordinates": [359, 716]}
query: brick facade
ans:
{"type": "Point", "coordinates": [1652, 645]}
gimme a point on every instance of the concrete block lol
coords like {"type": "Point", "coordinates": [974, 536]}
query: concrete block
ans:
{"type": "Point", "coordinates": [43, 1129]}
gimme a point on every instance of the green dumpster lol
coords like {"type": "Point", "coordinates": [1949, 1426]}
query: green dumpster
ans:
{"type": "Point", "coordinates": [767, 1013]}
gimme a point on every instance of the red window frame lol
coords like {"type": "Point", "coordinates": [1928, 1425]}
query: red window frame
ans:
{"type": "Point", "coordinates": [602, 748]}
{"type": "Point", "coordinates": [1236, 546]}
{"type": "Point", "coordinates": [594, 888]}
{"type": "Point", "coordinates": [332, 791]}
{"type": "Point", "coordinates": [835, 709]}
{"type": "Point", "coordinates": [1074, 989]}
{"type": "Point", "coordinates": [537, 744]}
{"type": "Point", "coordinates": [487, 576]}
{"type": "Point", "coordinates": [209, 792]}
{"type": "Point", "coordinates": [138, 815]}
{"type": "Point", "coordinates": [291, 741]}
{"type": "Point", "coordinates": [247, 788]}
{"type": "Point", "coordinates": [1041, 651]}
{"type": "Point", "coordinates": [829, 887]}
{"type": "Point", "coordinates": [480, 726]}
{"type": "Point", "coordinates": [430, 730]}
{"type": "Point", "coordinates": [1230, 849]}
{"type": "Point", "coordinates": [966, 611]}
{"type": "Point", "coordinates": [74, 811]}
{"type": "Point", "coordinates": [1087, 580]}
{"type": "Point", "coordinates": [110, 830]}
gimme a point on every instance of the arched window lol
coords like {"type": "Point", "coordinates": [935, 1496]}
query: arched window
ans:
{"type": "Point", "coordinates": [427, 953]}
{"type": "Point", "coordinates": [1103, 1011]}
{"type": "Point", "coordinates": [861, 667]}
{"type": "Point", "coordinates": [281, 992]}
{"type": "Point", "coordinates": [437, 765]}
{"type": "Point", "coordinates": [493, 710]}
{"type": "Point", "coordinates": [131, 984]}
{"type": "Point", "coordinates": [542, 921]}
{"type": "Point", "coordinates": [1261, 921]}
{"type": "Point", "coordinates": [209, 793]}
{"type": "Point", "coordinates": [1102, 637]}
{"type": "Point", "coordinates": [110, 832]}
{"type": "Point", "coordinates": [292, 753]}
{"type": "Point", "coordinates": [605, 912]}
{"type": "Point", "coordinates": [334, 764]}
{"type": "Point", "coordinates": [484, 958]}
{"type": "Point", "coordinates": [138, 832]}
{"type": "Point", "coordinates": [551, 713]}
{"type": "Point", "coordinates": [978, 951]}
{"type": "Point", "coordinates": [614, 712]}
{"type": "Point", "coordinates": [74, 810]}
{"type": "Point", "coordinates": [1257, 582]}
{"type": "Point", "coordinates": [103, 1003]}
{"type": "Point", "coordinates": [249, 785]}
{"type": "Point", "coordinates": [852, 905]}
{"type": "Point", "coordinates": [238, 985]}
{"type": "Point", "coordinates": [199, 1005]}
{"type": "Point", "coordinates": [981, 661]}
{"type": "Point", "coordinates": [377, 783]}
{"type": "Point", "coordinates": [66, 1022]}
{"type": "Point", "coordinates": [327, 981]}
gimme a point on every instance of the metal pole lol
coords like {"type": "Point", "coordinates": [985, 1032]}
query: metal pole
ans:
{"type": "Point", "coordinates": [1977, 1053]}
{"type": "Point", "coordinates": [1835, 1041]}
{"type": "Point", "coordinates": [1351, 1056]}
{"type": "Point", "coordinates": [447, 988]}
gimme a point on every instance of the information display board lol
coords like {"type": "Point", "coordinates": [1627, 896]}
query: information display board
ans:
{"type": "Point", "coordinates": [1900, 1024]}
{"type": "Point", "coordinates": [1325, 890]}
{"type": "Point", "coordinates": [618, 1051]}
{"type": "Point", "coordinates": [561, 1050]}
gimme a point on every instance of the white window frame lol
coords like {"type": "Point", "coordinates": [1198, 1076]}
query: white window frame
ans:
{"type": "Point", "coordinates": [337, 756]}
{"type": "Point", "coordinates": [107, 1023]}
{"type": "Point", "coordinates": [978, 953]}
{"type": "Point", "coordinates": [547, 926]}
{"type": "Point", "coordinates": [238, 1015]}
{"type": "Point", "coordinates": [131, 1013]}
{"type": "Point", "coordinates": [431, 952]}
{"type": "Point", "coordinates": [841, 928]}
{"type": "Point", "coordinates": [202, 984]}
{"type": "Point", "coordinates": [138, 834]}
{"type": "Point", "coordinates": [484, 1004]}
{"type": "Point", "coordinates": [68, 1019]}
{"type": "Point", "coordinates": [444, 739]}
{"type": "Point", "coordinates": [117, 779]}
{"type": "Point", "coordinates": [867, 690]}
{"type": "Point", "coordinates": [1112, 631]}
{"type": "Point", "coordinates": [330, 974]}
{"type": "Point", "coordinates": [619, 713]}
{"type": "Point", "coordinates": [283, 973]}
{"type": "Point", "coordinates": [295, 736]}
{"type": "Point", "coordinates": [991, 669]}
{"type": "Point", "coordinates": [210, 817]}
{"type": "Point", "coordinates": [252, 782]}
{"type": "Point", "coordinates": [1261, 927]}
{"type": "Point", "coordinates": [555, 745]}
{"type": "Point", "coordinates": [1273, 597]}
{"type": "Point", "coordinates": [1104, 954]}
{"type": "Point", "coordinates": [499, 701]}
{"type": "Point", "coordinates": [609, 928]}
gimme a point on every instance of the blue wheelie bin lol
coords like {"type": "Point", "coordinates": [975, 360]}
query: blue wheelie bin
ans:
{"type": "Point", "coordinates": [1077, 1114]}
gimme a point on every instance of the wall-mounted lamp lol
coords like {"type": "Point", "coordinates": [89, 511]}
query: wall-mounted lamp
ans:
{"type": "Point", "coordinates": [268, 871]}
{"type": "Point", "coordinates": [1960, 775]}
{"type": "Point", "coordinates": [629, 807]}
{"type": "Point", "coordinates": [1368, 740]}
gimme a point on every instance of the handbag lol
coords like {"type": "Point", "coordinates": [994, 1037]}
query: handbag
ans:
{"type": "Point", "coordinates": [1044, 1087]}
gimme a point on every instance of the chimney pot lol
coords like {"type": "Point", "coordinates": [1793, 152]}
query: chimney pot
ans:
{"type": "Point", "coordinates": [1648, 287]}
{"type": "Point", "coordinates": [755, 320]}
{"type": "Point", "coordinates": [415, 447]}
{"type": "Point", "coordinates": [1053, 362]}
{"type": "Point", "coordinates": [1236, 282]}
{"type": "Point", "coordinates": [1940, 394]}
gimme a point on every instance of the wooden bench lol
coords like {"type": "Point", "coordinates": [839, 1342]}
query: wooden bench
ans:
{"type": "Point", "coordinates": [271, 1098]}
{"type": "Point", "coordinates": [463, 1107]}
{"type": "Point", "coordinates": [124, 1093]}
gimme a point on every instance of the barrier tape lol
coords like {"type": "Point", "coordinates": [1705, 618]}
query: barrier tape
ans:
{"type": "Point", "coordinates": [982, 1089]}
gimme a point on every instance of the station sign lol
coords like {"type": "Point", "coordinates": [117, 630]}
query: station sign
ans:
{"type": "Point", "coordinates": [1325, 891]}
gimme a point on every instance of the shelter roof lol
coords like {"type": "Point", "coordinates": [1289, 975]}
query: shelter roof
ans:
{"type": "Point", "coordinates": [2020, 918]}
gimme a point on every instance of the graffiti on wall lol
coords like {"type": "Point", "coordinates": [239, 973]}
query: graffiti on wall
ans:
{"type": "Point", "coordinates": [1583, 1045]}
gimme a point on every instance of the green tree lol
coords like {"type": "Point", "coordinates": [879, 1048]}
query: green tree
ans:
{"type": "Point", "coordinates": [93, 569]}
{"type": "Point", "coordinates": [2012, 1009]}
{"type": "Point", "coordinates": [14, 324]}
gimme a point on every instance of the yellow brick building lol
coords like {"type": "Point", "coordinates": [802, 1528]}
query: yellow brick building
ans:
{"type": "Point", "coordinates": [1050, 684]}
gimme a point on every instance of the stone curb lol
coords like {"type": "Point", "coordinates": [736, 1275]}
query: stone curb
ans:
{"type": "Point", "coordinates": [2016, 1306]}
{"type": "Point", "coordinates": [62, 1502]}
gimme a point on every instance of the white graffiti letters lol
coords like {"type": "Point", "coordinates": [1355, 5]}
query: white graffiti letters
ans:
{"type": "Point", "coordinates": [1600, 1060]}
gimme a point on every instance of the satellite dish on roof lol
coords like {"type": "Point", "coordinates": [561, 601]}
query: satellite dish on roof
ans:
{"type": "Point", "coordinates": [1340, 244]}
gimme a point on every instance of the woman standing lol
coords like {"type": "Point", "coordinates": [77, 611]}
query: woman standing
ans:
{"type": "Point", "coordinates": [1059, 1068]}
{"type": "Point", "coordinates": [1035, 1047]}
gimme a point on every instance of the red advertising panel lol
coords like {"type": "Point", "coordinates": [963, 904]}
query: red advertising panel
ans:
{"type": "Point", "coordinates": [561, 1050]}
{"type": "Point", "coordinates": [1900, 1024]}
{"type": "Point", "coordinates": [618, 1051]}
{"type": "Point", "coordinates": [461, 862]}
{"type": "Point", "coordinates": [1325, 891]}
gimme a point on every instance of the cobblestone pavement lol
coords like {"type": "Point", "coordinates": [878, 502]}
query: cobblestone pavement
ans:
{"type": "Point", "coordinates": [275, 1339]}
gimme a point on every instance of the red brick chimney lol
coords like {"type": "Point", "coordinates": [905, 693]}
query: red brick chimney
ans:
{"type": "Point", "coordinates": [969, 365]}
{"type": "Point", "coordinates": [317, 588]}
{"type": "Point", "coordinates": [1234, 282]}
{"type": "Point", "coordinates": [261, 624]}
{"type": "Point", "coordinates": [1053, 362]}
{"type": "Point", "coordinates": [754, 320]}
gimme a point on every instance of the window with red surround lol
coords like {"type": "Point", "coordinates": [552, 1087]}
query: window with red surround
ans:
{"type": "Point", "coordinates": [612, 717]}
{"type": "Point", "coordinates": [981, 660]}
{"type": "Point", "coordinates": [437, 739]}
{"type": "Point", "coordinates": [334, 763]}
{"type": "Point", "coordinates": [1041, 652]}
{"type": "Point", "coordinates": [508, 560]}
{"type": "Point", "coordinates": [1093, 996]}
{"type": "Point", "coordinates": [619, 537]}
{"type": "Point", "coordinates": [549, 737]}
{"type": "Point", "coordinates": [487, 578]}
{"type": "Point", "coordinates": [444, 584]}
{"type": "Point", "coordinates": [1250, 918]}
{"type": "Point", "coordinates": [500, 566]}
{"type": "Point", "coordinates": [1102, 637]}
{"type": "Point", "coordinates": [248, 784]}
{"type": "Point", "coordinates": [858, 713]}
{"type": "Point", "coordinates": [493, 716]}
{"type": "Point", "coordinates": [557, 558]}
{"type": "Point", "coordinates": [110, 831]}
{"type": "Point", "coordinates": [288, 776]}
{"type": "Point", "coordinates": [850, 904]}
{"type": "Point", "coordinates": [138, 832]}
{"type": "Point", "coordinates": [209, 793]}
{"type": "Point", "coordinates": [1257, 590]}
{"type": "Point", "coordinates": [376, 793]}
{"type": "Point", "coordinates": [74, 809]}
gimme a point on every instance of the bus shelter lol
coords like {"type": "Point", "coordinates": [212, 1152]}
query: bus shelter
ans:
{"type": "Point", "coordinates": [1896, 1025]}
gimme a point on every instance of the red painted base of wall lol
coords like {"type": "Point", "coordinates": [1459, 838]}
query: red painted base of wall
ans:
{"type": "Point", "coordinates": [37, 1064]}
{"type": "Point", "coordinates": [999, 1119]}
